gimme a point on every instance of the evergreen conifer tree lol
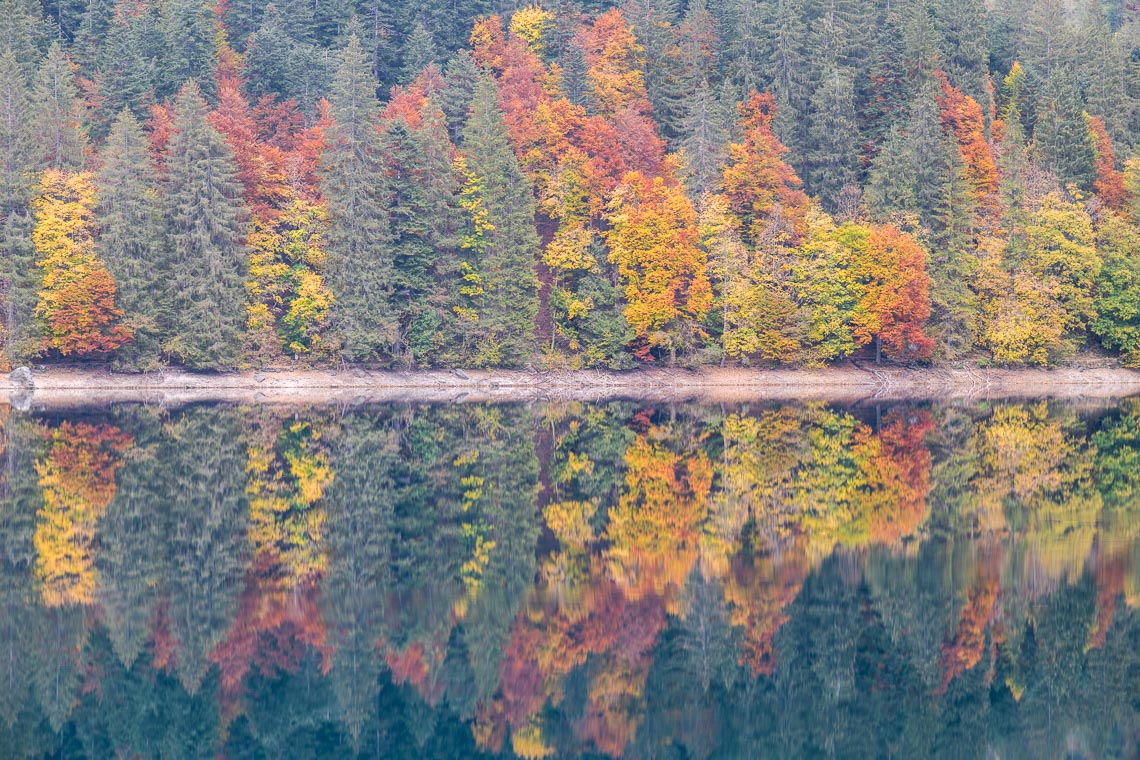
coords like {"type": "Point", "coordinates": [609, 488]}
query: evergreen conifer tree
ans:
{"type": "Point", "coordinates": [130, 241]}
{"type": "Point", "coordinates": [207, 229]}
{"type": "Point", "coordinates": [356, 189]}
{"type": "Point", "coordinates": [508, 303]}
{"type": "Point", "coordinates": [59, 135]}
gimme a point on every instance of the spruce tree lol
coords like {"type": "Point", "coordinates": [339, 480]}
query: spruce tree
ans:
{"type": "Point", "coordinates": [92, 33]}
{"type": "Point", "coordinates": [355, 186]}
{"type": "Point", "coordinates": [460, 76]}
{"type": "Point", "coordinates": [1061, 136]}
{"type": "Point", "coordinates": [508, 304]}
{"type": "Point", "coordinates": [890, 186]}
{"type": "Point", "coordinates": [17, 140]}
{"type": "Point", "coordinates": [188, 34]}
{"type": "Point", "coordinates": [833, 151]}
{"type": "Point", "coordinates": [419, 51]}
{"type": "Point", "coordinates": [60, 141]}
{"type": "Point", "coordinates": [424, 213]}
{"type": "Point", "coordinates": [130, 240]}
{"type": "Point", "coordinates": [207, 229]}
{"type": "Point", "coordinates": [704, 139]}
{"type": "Point", "coordinates": [18, 281]}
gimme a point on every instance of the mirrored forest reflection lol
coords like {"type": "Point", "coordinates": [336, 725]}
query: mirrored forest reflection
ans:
{"type": "Point", "coordinates": [571, 579]}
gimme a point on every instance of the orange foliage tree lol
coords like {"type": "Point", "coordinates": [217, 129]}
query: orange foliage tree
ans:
{"type": "Point", "coordinates": [757, 179]}
{"type": "Point", "coordinates": [962, 119]}
{"type": "Point", "coordinates": [896, 297]}
{"type": "Point", "coordinates": [77, 299]}
{"type": "Point", "coordinates": [1109, 182]}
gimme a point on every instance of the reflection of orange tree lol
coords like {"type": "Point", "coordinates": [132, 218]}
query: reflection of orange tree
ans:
{"type": "Point", "coordinates": [614, 634]}
{"type": "Point", "coordinates": [964, 650]}
{"type": "Point", "coordinates": [278, 621]}
{"type": "Point", "coordinates": [77, 477]}
{"type": "Point", "coordinates": [804, 480]}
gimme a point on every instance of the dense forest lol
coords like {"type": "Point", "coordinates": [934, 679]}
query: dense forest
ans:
{"type": "Point", "coordinates": [568, 184]}
{"type": "Point", "coordinates": [568, 579]}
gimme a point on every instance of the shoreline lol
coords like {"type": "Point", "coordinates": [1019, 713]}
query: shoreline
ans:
{"type": "Point", "coordinates": [848, 383]}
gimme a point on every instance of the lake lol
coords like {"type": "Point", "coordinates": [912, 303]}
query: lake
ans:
{"type": "Point", "coordinates": [571, 580]}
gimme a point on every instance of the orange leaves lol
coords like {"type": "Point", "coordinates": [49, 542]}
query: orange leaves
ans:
{"type": "Point", "coordinates": [1109, 182]}
{"type": "Point", "coordinates": [77, 299]}
{"type": "Point", "coordinates": [614, 64]}
{"type": "Point", "coordinates": [962, 119]}
{"type": "Point", "coordinates": [757, 179]}
{"type": "Point", "coordinates": [654, 241]}
{"type": "Point", "coordinates": [896, 303]}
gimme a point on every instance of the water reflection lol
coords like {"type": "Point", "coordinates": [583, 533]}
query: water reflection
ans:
{"type": "Point", "coordinates": [571, 579]}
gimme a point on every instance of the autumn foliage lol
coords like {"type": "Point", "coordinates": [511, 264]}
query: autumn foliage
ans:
{"type": "Point", "coordinates": [77, 299]}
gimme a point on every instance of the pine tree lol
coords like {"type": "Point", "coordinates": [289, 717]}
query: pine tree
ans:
{"type": "Point", "coordinates": [508, 304]}
{"type": "Point", "coordinates": [130, 239]}
{"type": "Point", "coordinates": [57, 114]}
{"type": "Point", "coordinates": [207, 232]}
{"type": "Point", "coordinates": [355, 186]}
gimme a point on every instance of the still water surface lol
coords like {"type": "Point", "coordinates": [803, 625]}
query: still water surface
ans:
{"type": "Point", "coordinates": [568, 579]}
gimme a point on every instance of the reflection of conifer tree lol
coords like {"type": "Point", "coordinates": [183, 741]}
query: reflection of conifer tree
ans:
{"type": "Point", "coordinates": [20, 500]}
{"type": "Point", "coordinates": [360, 507]}
{"type": "Point", "coordinates": [206, 512]}
{"type": "Point", "coordinates": [132, 547]}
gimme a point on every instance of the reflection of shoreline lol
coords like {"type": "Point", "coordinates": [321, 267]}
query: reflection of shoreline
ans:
{"type": "Point", "coordinates": [851, 383]}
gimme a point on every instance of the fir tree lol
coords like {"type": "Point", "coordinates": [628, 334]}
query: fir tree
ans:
{"type": "Point", "coordinates": [130, 240]}
{"type": "Point", "coordinates": [355, 186]}
{"type": "Point", "coordinates": [207, 232]}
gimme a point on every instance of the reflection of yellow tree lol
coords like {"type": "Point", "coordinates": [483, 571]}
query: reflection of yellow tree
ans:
{"type": "Point", "coordinates": [78, 481]}
{"type": "Point", "coordinates": [286, 480]}
{"type": "Point", "coordinates": [1032, 468]}
{"type": "Point", "coordinates": [287, 474]}
{"type": "Point", "coordinates": [655, 527]}
{"type": "Point", "coordinates": [806, 479]}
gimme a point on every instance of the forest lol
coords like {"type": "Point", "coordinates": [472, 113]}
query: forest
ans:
{"type": "Point", "coordinates": [570, 580]}
{"type": "Point", "coordinates": [569, 183]}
